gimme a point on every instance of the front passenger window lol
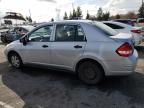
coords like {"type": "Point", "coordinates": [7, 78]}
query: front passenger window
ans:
{"type": "Point", "coordinates": [42, 34]}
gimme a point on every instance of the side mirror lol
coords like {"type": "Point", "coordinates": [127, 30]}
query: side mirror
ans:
{"type": "Point", "coordinates": [23, 40]}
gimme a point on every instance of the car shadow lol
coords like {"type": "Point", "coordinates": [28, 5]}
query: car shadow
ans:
{"type": "Point", "coordinates": [55, 89]}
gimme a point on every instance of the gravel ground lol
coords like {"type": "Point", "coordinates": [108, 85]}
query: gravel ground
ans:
{"type": "Point", "coordinates": [43, 88]}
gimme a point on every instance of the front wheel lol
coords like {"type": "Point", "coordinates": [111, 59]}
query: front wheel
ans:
{"type": "Point", "coordinates": [90, 73]}
{"type": "Point", "coordinates": [15, 60]}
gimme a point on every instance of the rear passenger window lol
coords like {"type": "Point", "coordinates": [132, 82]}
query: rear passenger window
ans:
{"type": "Point", "coordinates": [80, 34]}
{"type": "Point", "coordinates": [114, 26]}
{"type": "Point", "coordinates": [69, 33]}
{"type": "Point", "coordinates": [65, 33]}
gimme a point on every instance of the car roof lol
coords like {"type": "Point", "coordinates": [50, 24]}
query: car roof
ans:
{"type": "Point", "coordinates": [66, 21]}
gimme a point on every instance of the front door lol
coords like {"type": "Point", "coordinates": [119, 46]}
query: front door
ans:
{"type": "Point", "coordinates": [37, 50]}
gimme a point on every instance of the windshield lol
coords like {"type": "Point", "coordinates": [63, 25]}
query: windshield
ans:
{"type": "Point", "coordinates": [104, 28]}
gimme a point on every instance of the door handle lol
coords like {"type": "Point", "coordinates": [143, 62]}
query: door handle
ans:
{"type": "Point", "coordinates": [77, 46]}
{"type": "Point", "coordinates": [45, 46]}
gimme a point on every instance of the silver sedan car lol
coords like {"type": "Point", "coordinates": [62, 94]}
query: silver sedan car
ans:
{"type": "Point", "coordinates": [90, 49]}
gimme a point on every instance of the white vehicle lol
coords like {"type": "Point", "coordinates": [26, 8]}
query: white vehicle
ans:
{"type": "Point", "coordinates": [140, 22]}
{"type": "Point", "coordinates": [124, 28]}
{"type": "Point", "coordinates": [90, 49]}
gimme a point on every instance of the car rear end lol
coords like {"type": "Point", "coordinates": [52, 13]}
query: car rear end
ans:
{"type": "Point", "coordinates": [117, 54]}
{"type": "Point", "coordinates": [123, 56]}
{"type": "Point", "coordinates": [137, 33]}
{"type": "Point", "coordinates": [125, 21]}
{"type": "Point", "coordinates": [140, 22]}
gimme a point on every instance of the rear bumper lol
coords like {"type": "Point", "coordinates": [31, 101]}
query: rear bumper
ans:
{"type": "Point", "coordinates": [125, 66]}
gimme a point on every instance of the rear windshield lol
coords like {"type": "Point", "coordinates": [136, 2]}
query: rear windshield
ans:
{"type": "Point", "coordinates": [105, 29]}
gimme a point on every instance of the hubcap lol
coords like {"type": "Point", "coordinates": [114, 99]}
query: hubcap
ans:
{"type": "Point", "coordinates": [90, 73]}
{"type": "Point", "coordinates": [15, 61]}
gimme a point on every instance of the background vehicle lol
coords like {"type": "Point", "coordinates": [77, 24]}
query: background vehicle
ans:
{"type": "Point", "coordinates": [140, 22]}
{"type": "Point", "coordinates": [3, 31]}
{"type": "Point", "coordinates": [124, 28]}
{"type": "Point", "coordinates": [90, 49]}
{"type": "Point", "coordinates": [15, 33]}
{"type": "Point", "coordinates": [125, 21]}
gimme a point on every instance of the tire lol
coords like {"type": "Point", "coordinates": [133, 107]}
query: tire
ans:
{"type": "Point", "coordinates": [15, 60]}
{"type": "Point", "coordinates": [90, 73]}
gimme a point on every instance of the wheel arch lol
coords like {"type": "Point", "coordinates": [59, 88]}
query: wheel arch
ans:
{"type": "Point", "coordinates": [91, 60]}
{"type": "Point", "coordinates": [11, 52]}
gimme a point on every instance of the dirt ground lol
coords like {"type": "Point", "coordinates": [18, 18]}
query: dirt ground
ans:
{"type": "Point", "coordinates": [43, 88]}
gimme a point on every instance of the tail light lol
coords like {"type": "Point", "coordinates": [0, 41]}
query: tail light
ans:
{"type": "Point", "coordinates": [136, 31]}
{"type": "Point", "coordinates": [125, 50]}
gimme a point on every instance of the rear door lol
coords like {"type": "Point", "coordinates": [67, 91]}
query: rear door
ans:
{"type": "Point", "coordinates": [68, 45]}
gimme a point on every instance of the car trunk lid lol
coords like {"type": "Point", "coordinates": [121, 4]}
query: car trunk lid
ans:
{"type": "Point", "coordinates": [125, 37]}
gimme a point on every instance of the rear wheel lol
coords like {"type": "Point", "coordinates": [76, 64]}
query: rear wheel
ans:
{"type": "Point", "coordinates": [90, 73]}
{"type": "Point", "coordinates": [15, 60]}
